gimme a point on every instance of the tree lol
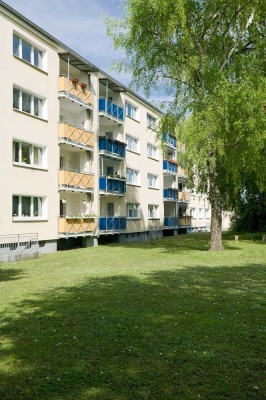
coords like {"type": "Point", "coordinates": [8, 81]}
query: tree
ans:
{"type": "Point", "coordinates": [209, 57]}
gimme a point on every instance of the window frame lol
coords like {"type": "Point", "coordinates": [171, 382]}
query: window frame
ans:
{"type": "Point", "coordinates": [155, 208]}
{"type": "Point", "coordinates": [41, 204]}
{"type": "Point", "coordinates": [154, 181]}
{"type": "Point", "coordinates": [133, 140]}
{"type": "Point", "coordinates": [154, 152]}
{"type": "Point", "coordinates": [151, 121]}
{"type": "Point", "coordinates": [135, 175]}
{"type": "Point", "coordinates": [18, 104]}
{"type": "Point", "coordinates": [41, 154]}
{"type": "Point", "coordinates": [33, 50]}
{"type": "Point", "coordinates": [131, 110]}
{"type": "Point", "coordinates": [135, 208]}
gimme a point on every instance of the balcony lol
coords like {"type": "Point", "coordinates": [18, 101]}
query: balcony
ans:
{"type": "Point", "coordinates": [111, 110]}
{"type": "Point", "coordinates": [76, 92]}
{"type": "Point", "coordinates": [182, 173]}
{"type": "Point", "coordinates": [112, 186]}
{"type": "Point", "coordinates": [76, 226]}
{"type": "Point", "coordinates": [169, 167]}
{"type": "Point", "coordinates": [170, 222]}
{"type": "Point", "coordinates": [74, 136]}
{"type": "Point", "coordinates": [169, 140]}
{"type": "Point", "coordinates": [185, 222]}
{"type": "Point", "coordinates": [112, 148]}
{"type": "Point", "coordinates": [75, 181]}
{"type": "Point", "coordinates": [112, 224]}
{"type": "Point", "coordinates": [183, 197]}
{"type": "Point", "coordinates": [170, 194]}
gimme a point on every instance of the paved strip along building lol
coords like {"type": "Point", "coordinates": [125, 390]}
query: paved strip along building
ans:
{"type": "Point", "coordinates": [80, 161]}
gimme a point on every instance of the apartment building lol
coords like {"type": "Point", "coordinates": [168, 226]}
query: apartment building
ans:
{"type": "Point", "coordinates": [81, 161]}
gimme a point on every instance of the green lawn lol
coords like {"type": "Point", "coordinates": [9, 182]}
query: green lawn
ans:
{"type": "Point", "coordinates": [165, 320]}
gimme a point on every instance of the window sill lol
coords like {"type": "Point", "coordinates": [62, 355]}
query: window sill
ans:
{"type": "Point", "coordinates": [29, 64]}
{"type": "Point", "coordinates": [30, 115]}
{"type": "Point", "coordinates": [153, 217]}
{"type": "Point", "coordinates": [134, 218]}
{"type": "Point", "coordinates": [154, 188]}
{"type": "Point", "coordinates": [133, 119]}
{"type": "Point", "coordinates": [133, 184]}
{"type": "Point", "coordinates": [132, 151]}
{"type": "Point", "coordinates": [29, 219]}
{"type": "Point", "coordinates": [152, 158]}
{"type": "Point", "coordinates": [21, 165]}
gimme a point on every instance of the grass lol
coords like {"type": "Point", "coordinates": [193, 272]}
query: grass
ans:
{"type": "Point", "coordinates": [167, 320]}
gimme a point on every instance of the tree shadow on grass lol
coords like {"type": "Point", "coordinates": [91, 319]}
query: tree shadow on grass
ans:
{"type": "Point", "coordinates": [10, 274]}
{"type": "Point", "coordinates": [188, 334]}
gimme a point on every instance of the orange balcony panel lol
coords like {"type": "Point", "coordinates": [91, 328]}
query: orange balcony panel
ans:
{"type": "Point", "coordinates": [185, 221]}
{"type": "Point", "coordinates": [76, 180]}
{"type": "Point", "coordinates": [75, 90]}
{"type": "Point", "coordinates": [75, 226]}
{"type": "Point", "coordinates": [73, 134]}
{"type": "Point", "coordinates": [184, 196]}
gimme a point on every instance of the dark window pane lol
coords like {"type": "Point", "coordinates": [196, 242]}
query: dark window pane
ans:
{"type": "Point", "coordinates": [16, 45]}
{"type": "Point", "coordinates": [26, 201]}
{"type": "Point", "coordinates": [16, 98]}
{"type": "Point", "coordinates": [26, 50]}
{"type": "Point", "coordinates": [37, 206]}
{"type": "Point", "coordinates": [26, 102]}
{"type": "Point", "coordinates": [15, 206]}
{"type": "Point", "coordinates": [37, 58]}
{"type": "Point", "coordinates": [26, 149]}
{"type": "Point", "coordinates": [36, 106]}
{"type": "Point", "coordinates": [16, 151]}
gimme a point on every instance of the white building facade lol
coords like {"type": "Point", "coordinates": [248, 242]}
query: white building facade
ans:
{"type": "Point", "coordinates": [81, 161]}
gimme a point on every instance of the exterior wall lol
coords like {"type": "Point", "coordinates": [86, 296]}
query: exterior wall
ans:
{"type": "Point", "coordinates": [21, 180]}
{"type": "Point", "coordinates": [199, 209]}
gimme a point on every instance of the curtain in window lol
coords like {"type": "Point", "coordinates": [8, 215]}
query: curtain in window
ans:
{"type": "Point", "coordinates": [16, 45]}
{"type": "Point", "coordinates": [26, 202]}
{"type": "Point", "coordinates": [26, 102]}
{"type": "Point", "coordinates": [16, 98]}
{"type": "Point", "coordinates": [15, 206]}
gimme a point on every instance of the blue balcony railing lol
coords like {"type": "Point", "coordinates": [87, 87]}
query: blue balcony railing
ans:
{"type": "Point", "coordinates": [169, 140]}
{"type": "Point", "coordinates": [112, 185]}
{"type": "Point", "coordinates": [170, 194]}
{"type": "Point", "coordinates": [113, 223]}
{"type": "Point", "coordinates": [111, 109]}
{"type": "Point", "coordinates": [169, 167]}
{"type": "Point", "coordinates": [112, 148]}
{"type": "Point", "coordinates": [171, 222]}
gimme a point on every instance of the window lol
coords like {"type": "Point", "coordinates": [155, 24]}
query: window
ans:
{"type": "Point", "coordinates": [152, 181]}
{"type": "Point", "coordinates": [207, 213]}
{"type": "Point", "coordinates": [201, 212]}
{"type": "Point", "coordinates": [151, 121]}
{"type": "Point", "coordinates": [28, 103]}
{"type": "Point", "coordinates": [131, 111]}
{"type": "Point", "coordinates": [153, 211]}
{"type": "Point", "coordinates": [28, 52]}
{"type": "Point", "coordinates": [152, 151]}
{"type": "Point", "coordinates": [133, 211]}
{"type": "Point", "coordinates": [132, 143]}
{"type": "Point", "coordinates": [29, 154]}
{"type": "Point", "coordinates": [28, 207]}
{"type": "Point", "coordinates": [193, 212]}
{"type": "Point", "coordinates": [132, 177]}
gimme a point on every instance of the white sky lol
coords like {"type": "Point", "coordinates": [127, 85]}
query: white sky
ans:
{"type": "Point", "coordinates": [79, 24]}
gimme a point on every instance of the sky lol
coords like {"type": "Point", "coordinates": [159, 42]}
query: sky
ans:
{"type": "Point", "coordinates": [79, 24]}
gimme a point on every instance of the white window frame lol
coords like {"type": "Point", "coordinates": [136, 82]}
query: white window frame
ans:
{"type": "Point", "coordinates": [151, 121]}
{"type": "Point", "coordinates": [33, 49]}
{"type": "Point", "coordinates": [42, 206]}
{"type": "Point", "coordinates": [33, 99]}
{"type": "Point", "coordinates": [132, 143]}
{"type": "Point", "coordinates": [152, 151]}
{"type": "Point", "coordinates": [41, 151]}
{"type": "Point", "coordinates": [135, 177]}
{"type": "Point", "coordinates": [133, 208]}
{"type": "Point", "coordinates": [131, 110]}
{"type": "Point", "coordinates": [153, 211]}
{"type": "Point", "coordinates": [153, 181]}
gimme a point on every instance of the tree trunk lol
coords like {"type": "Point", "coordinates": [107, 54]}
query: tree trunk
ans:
{"type": "Point", "coordinates": [216, 214]}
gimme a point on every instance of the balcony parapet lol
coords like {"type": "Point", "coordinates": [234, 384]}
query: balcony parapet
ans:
{"type": "Point", "coordinates": [170, 222]}
{"type": "Point", "coordinates": [169, 140]}
{"type": "Point", "coordinates": [75, 181]}
{"type": "Point", "coordinates": [109, 225]}
{"type": "Point", "coordinates": [75, 92]}
{"type": "Point", "coordinates": [183, 197]}
{"type": "Point", "coordinates": [112, 148]}
{"type": "Point", "coordinates": [74, 226]}
{"type": "Point", "coordinates": [170, 194]}
{"type": "Point", "coordinates": [112, 186]}
{"type": "Point", "coordinates": [185, 221]}
{"type": "Point", "coordinates": [169, 167]}
{"type": "Point", "coordinates": [111, 110]}
{"type": "Point", "coordinates": [75, 136]}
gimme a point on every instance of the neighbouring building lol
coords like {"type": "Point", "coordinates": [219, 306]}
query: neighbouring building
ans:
{"type": "Point", "coordinates": [80, 160]}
